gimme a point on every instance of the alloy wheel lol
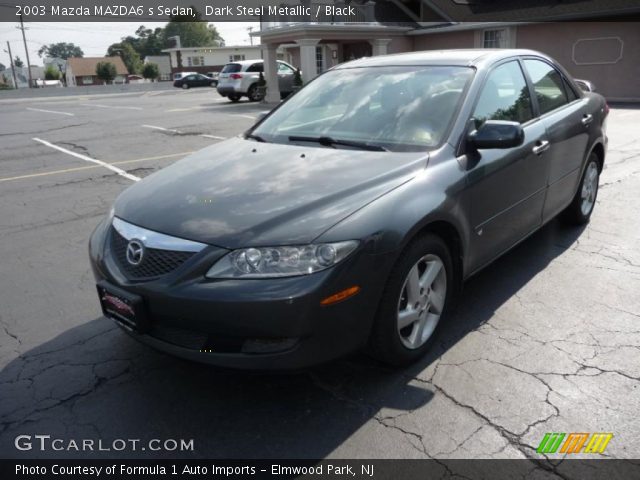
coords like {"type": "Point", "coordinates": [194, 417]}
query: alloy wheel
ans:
{"type": "Point", "coordinates": [589, 188]}
{"type": "Point", "coordinates": [421, 301]}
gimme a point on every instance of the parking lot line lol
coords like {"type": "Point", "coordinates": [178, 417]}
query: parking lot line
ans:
{"type": "Point", "coordinates": [161, 128]}
{"type": "Point", "coordinates": [110, 106]}
{"type": "Point", "coordinates": [213, 136]}
{"type": "Point", "coordinates": [50, 111]}
{"type": "Point", "coordinates": [117, 170]}
{"type": "Point", "coordinates": [173, 130]}
{"type": "Point", "coordinates": [244, 116]}
{"type": "Point", "coordinates": [90, 167]}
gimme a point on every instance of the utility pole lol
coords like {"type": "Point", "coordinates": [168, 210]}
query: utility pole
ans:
{"type": "Point", "coordinates": [26, 50]}
{"type": "Point", "coordinates": [13, 68]}
{"type": "Point", "coordinates": [250, 37]}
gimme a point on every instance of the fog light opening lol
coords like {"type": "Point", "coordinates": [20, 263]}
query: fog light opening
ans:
{"type": "Point", "coordinates": [340, 296]}
{"type": "Point", "coordinates": [268, 345]}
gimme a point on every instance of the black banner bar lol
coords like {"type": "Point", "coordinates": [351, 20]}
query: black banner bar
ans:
{"type": "Point", "coordinates": [566, 469]}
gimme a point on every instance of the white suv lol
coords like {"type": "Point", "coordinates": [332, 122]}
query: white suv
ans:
{"type": "Point", "coordinates": [240, 79]}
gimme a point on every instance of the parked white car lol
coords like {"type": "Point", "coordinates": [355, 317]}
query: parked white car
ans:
{"type": "Point", "coordinates": [240, 79]}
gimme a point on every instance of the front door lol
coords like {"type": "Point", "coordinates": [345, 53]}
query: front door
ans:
{"type": "Point", "coordinates": [506, 187]}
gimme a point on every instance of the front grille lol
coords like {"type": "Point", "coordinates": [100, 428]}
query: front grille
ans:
{"type": "Point", "coordinates": [155, 262]}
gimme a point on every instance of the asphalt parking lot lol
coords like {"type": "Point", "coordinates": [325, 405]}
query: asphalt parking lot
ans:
{"type": "Point", "coordinates": [545, 340]}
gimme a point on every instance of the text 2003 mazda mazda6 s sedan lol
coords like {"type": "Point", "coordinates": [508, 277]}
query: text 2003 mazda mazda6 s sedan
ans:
{"type": "Point", "coordinates": [350, 215]}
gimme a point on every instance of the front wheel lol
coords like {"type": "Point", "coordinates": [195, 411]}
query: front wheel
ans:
{"type": "Point", "coordinates": [414, 302]}
{"type": "Point", "coordinates": [581, 207]}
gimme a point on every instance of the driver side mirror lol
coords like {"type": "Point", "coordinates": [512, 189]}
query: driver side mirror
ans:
{"type": "Point", "coordinates": [261, 116]}
{"type": "Point", "coordinates": [497, 134]}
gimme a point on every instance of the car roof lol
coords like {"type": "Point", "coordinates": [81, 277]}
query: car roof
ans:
{"type": "Point", "coordinates": [464, 57]}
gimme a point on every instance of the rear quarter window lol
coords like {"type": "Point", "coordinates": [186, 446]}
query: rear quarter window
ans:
{"type": "Point", "coordinates": [231, 68]}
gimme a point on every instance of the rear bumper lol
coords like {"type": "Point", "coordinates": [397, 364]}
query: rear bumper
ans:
{"type": "Point", "coordinates": [274, 324]}
{"type": "Point", "coordinates": [225, 91]}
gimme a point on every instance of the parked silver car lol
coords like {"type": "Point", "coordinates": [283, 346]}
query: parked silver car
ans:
{"type": "Point", "coordinates": [240, 79]}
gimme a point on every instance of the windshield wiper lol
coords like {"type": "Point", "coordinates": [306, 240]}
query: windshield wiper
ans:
{"type": "Point", "coordinates": [330, 142]}
{"type": "Point", "coordinates": [257, 138]}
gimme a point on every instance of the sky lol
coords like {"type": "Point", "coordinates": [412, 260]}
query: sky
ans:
{"type": "Point", "coordinates": [93, 37]}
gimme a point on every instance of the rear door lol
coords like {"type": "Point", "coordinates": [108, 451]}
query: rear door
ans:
{"type": "Point", "coordinates": [285, 77]}
{"type": "Point", "coordinates": [567, 123]}
{"type": "Point", "coordinates": [506, 186]}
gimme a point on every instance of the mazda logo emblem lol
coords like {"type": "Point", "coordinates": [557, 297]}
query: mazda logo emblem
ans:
{"type": "Point", "coordinates": [135, 252]}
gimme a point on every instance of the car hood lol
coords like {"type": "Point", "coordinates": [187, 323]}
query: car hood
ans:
{"type": "Point", "coordinates": [242, 193]}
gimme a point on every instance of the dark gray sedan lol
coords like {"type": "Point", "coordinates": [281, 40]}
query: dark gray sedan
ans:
{"type": "Point", "coordinates": [350, 216]}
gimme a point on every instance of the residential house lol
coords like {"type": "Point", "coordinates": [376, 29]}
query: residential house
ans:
{"type": "Point", "coordinates": [82, 71]}
{"type": "Point", "coordinates": [22, 75]}
{"type": "Point", "coordinates": [164, 65]}
{"type": "Point", "coordinates": [588, 37]}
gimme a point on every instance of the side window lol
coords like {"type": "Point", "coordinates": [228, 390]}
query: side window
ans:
{"type": "Point", "coordinates": [282, 68]}
{"type": "Point", "coordinates": [548, 85]}
{"type": "Point", "coordinates": [571, 94]}
{"type": "Point", "coordinates": [256, 67]}
{"type": "Point", "coordinates": [505, 96]}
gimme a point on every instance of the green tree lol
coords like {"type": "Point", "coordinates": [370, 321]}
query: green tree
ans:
{"type": "Point", "coordinates": [2, 67]}
{"type": "Point", "coordinates": [52, 73]}
{"type": "Point", "coordinates": [129, 56]}
{"type": "Point", "coordinates": [18, 63]}
{"type": "Point", "coordinates": [106, 71]}
{"type": "Point", "coordinates": [192, 33]}
{"type": "Point", "coordinates": [151, 71]}
{"type": "Point", "coordinates": [60, 50]}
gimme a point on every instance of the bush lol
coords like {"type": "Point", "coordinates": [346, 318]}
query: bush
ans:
{"type": "Point", "coordinates": [151, 71]}
{"type": "Point", "coordinates": [52, 73]}
{"type": "Point", "coordinates": [106, 71]}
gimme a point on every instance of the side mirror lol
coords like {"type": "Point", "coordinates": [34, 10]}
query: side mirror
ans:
{"type": "Point", "coordinates": [497, 134]}
{"type": "Point", "coordinates": [585, 85]}
{"type": "Point", "coordinates": [261, 115]}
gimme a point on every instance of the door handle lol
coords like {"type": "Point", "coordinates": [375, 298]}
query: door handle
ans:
{"type": "Point", "coordinates": [541, 146]}
{"type": "Point", "coordinates": [587, 119]}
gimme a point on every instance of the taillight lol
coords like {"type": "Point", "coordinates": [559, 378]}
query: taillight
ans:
{"type": "Point", "coordinates": [606, 109]}
{"type": "Point", "coordinates": [236, 76]}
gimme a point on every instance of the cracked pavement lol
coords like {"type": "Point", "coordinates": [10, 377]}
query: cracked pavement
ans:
{"type": "Point", "coordinates": [547, 339]}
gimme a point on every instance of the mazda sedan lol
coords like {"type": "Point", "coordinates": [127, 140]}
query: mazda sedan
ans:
{"type": "Point", "coordinates": [349, 217]}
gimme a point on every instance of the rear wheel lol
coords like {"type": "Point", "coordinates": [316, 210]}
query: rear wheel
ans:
{"type": "Point", "coordinates": [234, 97]}
{"type": "Point", "coordinates": [185, 86]}
{"type": "Point", "coordinates": [253, 93]}
{"type": "Point", "coordinates": [414, 302]}
{"type": "Point", "coordinates": [581, 207]}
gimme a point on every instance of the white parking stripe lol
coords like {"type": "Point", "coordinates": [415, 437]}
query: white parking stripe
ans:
{"type": "Point", "coordinates": [245, 116]}
{"type": "Point", "coordinates": [179, 132]}
{"type": "Point", "coordinates": [214, 136]}
{"type": "Point", "coordinates": [117, 170]}
{"type": "Point", "coordinates": [110, 106]}
{"type": "Point", "coordinates": [50, 111]}
{"type": "Point", "coordinates": [161, 128]}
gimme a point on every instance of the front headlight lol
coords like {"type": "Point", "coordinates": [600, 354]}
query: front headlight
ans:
{"type": "Point", "coordinates": [270, 262]}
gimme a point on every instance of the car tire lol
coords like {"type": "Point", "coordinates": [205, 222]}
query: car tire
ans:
{"type": "Point", "coordinates": [235, 98]}
{"type": "Point", "coordinates": [252, 93]}
{"type": "Point", "coordinates": [185, 86]}
{"type": "Point", "coordinates": [581, 207]}
{"type": "Point", "coordinates": [396, 339]}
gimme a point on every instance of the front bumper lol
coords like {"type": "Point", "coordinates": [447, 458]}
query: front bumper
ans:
{"type": "Point", "coordinates": [273, 324]}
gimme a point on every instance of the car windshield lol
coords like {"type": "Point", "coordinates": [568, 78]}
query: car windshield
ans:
{"type": "Point", "coordinates": [393, 108]}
